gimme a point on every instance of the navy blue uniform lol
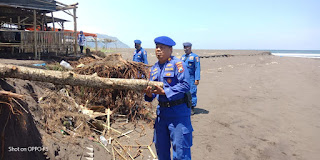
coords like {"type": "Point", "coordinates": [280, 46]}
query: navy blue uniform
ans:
{"type": "Point", "coordinates": [140, 56]}
{"type": "Point", "coordinates": [173, 124]}
{"type": "Point", "coordinates": [193, 64]}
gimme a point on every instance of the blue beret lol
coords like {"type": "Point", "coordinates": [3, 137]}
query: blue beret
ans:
{"type": "Point", "coordinates": [165, 41]}
{"type": "Point", "coordinates": [137, 41]}
{"type": "Point", "coordinates": [187, 44]}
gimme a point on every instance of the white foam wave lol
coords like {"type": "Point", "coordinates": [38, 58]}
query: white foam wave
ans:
{"type": "Point", "coordinates": [303, 55]}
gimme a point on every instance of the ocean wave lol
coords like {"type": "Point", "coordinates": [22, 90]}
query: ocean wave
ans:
{"type": "Point", "coordinates": [303, 55]}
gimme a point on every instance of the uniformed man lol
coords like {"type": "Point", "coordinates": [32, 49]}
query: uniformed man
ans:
{"type": "Point", "coordinates": [192, 62]}
{"type": "Point", "coordinates": [81, 41]}
{"type": "Point", "coordinates": [173, 123]}
{"type": "Point", "coordinates": [139, 55]}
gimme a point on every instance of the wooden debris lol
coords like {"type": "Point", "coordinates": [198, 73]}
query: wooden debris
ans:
{"type": "Point", "coordinates": [119, 153]}
{"type": "Point", "coordinates": [104, 146]}
{"type": "Point", "coordinates": [123, 148]}
{"type": "Point", "coordinates": [113, 155]}
{"type": "Point", "coordinates": [10, 94]}
{"type": "Point", "coordinates": [71, 78]}
{"type": "Point", "coordinates": [20, 105]}
{"type": "Point", "coordinates": [153, 155]}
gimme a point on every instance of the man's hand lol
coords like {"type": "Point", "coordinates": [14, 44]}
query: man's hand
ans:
{"type": "Point", "coordinates": [148, 91]}
{"type": "Point", "coordinates": [159, 90]}
{"type": "Point", "coordinates": [196, 82]}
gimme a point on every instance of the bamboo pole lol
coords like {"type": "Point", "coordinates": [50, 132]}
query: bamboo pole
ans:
{"type": "Point", "coordinates": [19, 25]}
{"type": "Point", "coordinates": [53, 26]}
{"type": "Point", "coordinates": [75, 30]}
{"type": "Point", "coordinates": [71, 78]}
{"type": "Point", "coordinates": [35, 33]}
{"type": "Point", "coordinates": [96, 43]}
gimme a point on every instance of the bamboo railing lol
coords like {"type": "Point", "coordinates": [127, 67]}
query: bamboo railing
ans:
{"type": "Point", "coordinates": [46, 41]}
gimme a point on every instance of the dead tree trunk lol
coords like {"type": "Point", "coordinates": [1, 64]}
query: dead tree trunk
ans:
{"type": "Point", "coordinates": [71, 78]}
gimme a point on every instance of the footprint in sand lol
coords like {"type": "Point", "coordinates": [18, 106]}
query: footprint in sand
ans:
{"type": "Point", "coordinates": [208, 147]}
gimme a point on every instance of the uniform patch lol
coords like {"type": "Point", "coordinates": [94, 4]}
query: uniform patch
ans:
{"type": "Point", "coordinates": [153, 73]}
{"type": "Point", "coordinates": [153, 77]}
{"type": "Point", "coordinates": [168, 74]}
{"type": "Point", "coordinates": [169, 80]}
{"type": "Point", "coordinates": [168, 69]}
{"type": "Point", "coordinates": [191, 58]}
{"type": "Point", "coordinates": [169, 65]}
{"type": "Point", "coordinates": [179, 64]}
{"type": "Point", "coordinates": [197, 59]}
{"type": "Point", "coordinates": [180, 69]}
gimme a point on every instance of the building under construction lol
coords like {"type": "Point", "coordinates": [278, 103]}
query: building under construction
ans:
{"type": "Point", "coordinates": [24, 27]}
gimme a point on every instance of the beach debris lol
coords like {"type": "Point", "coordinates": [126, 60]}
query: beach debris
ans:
{"type": "Point", "coordinates": [104, 141]}
{"type": "Point", "coordinates": [66, 65]}
{"type": "Point", "coordinates": [39, 64]}
{"type": "Point", "coordinates": [80, 65]}
{"type": "Point", "coordinates": [67, 115]}
{"type": "Point", "coordinates": [71, 78]}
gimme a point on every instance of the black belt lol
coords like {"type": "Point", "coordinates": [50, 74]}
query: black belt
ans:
{"type": "Point", "coordinates": [172, 103]}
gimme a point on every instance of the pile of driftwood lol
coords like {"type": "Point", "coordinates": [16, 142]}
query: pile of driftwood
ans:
{"type": "Point", "coordinates": [94, 92]}
{"type": "Point", "coordinates": [110, 82]}
{"type": "Point", "coordinates": [126, 101]}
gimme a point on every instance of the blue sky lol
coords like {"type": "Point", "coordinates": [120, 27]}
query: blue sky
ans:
{"type": "Point", "coordinates": [208, 24]}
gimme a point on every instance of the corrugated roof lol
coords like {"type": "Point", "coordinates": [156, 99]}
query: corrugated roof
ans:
{"type": "Point", "coordinates": [45, 5]}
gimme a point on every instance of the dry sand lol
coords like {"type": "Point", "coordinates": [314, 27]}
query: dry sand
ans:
{"type": "Point", "coordinates": [251, 106]}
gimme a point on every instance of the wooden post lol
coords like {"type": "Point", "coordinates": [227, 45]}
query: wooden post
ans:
{"type": "Point", "coordinates": [45, 22]}
{"type": "Point", "coordinates": [19, 28]}
{"type": "Point", "coordinates": [54, 28]}
{"type": "Point", "coordinates": [63, 39]}
{"type": "Point", "coordinates": [96, 42]}
{"type": "Point", "coordinates": [19, 25]}
{"type": "Point", "coordinates": [42, 21]}
{"type": "Point", "coordinates": [75, 31]}
{"type": "Point", "coordinates": [35, 33]}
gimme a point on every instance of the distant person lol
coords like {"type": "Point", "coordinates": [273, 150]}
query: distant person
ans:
{"type": "Point", "coordinates": [192, 62]}
{"type": "Point", "coordinates": [173, 123]}
{"type": "Point", "coordinates": [81, 41]}
{"type": "Point", "coordinates": [139, 55]}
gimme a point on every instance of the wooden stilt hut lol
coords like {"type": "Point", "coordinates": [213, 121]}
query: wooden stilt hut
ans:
{"type": "Point", "coordinates": [24, 27]}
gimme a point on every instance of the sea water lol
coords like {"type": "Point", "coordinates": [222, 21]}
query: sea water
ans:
{"type": "Point", "coordinates": [296, 53]}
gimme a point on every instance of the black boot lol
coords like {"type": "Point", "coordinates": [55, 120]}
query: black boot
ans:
{"type": "Point", "coordinates": [192, 110]}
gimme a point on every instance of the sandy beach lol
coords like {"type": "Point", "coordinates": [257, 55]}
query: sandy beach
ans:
{"type": "Point", "coordinates": [251, 106]}
{"type": "Point", "coordinates": [258, 107]}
